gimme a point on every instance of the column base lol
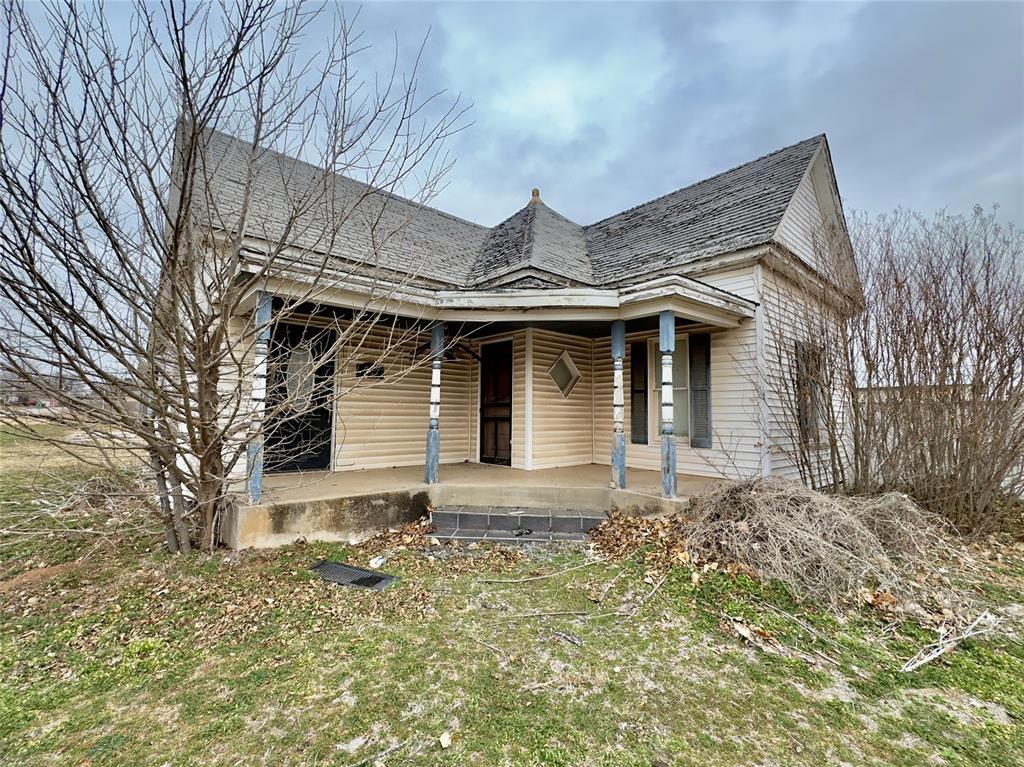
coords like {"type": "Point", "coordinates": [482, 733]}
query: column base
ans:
{"type": "Point", "coordinates": [619, 460]}
{"type": "Point", "coordinates": [433, 456]}
{"type": "Point", "coordinates": [668, 465]}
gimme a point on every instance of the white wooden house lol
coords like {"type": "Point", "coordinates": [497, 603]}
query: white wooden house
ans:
{"type": "Point", "coordinates": [619, 364]}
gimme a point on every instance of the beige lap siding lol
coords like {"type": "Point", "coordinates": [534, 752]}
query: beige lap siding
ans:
{"type": "Point", "coordinates": [383, 423]}
{"type": "Point", "coordinates": [563, 427]}
{"type": "Point", "coordinates": [519, 401]}
{"type": "Point", "coordinates": [736, 433]}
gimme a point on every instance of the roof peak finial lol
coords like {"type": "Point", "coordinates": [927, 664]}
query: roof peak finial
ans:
{"type": "Point", "coordinates": [535, 196]}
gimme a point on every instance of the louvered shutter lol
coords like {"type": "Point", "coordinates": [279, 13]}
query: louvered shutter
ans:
{"type": "Point", "coordinates": [700, 390]}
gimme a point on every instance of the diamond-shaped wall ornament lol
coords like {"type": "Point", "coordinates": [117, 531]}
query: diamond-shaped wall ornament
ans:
{"type": "Point", "coordinates": [564, 373]}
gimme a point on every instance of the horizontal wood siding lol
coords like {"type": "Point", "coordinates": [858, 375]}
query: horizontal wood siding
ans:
{"type": "Point", "coordinates": [736, 434]}
{"type": "Point", "coordinates": [519, 401]}
{"type": "Point", "coordinates": [801, 229]}
{"type": "Point", "coordinates": [792, 315]}
{"type": "Point", "coordinates": [563, 427]}
{"type": "Point", "coordinates": [235, 391]}
{"type": "Point", "coordinates": [738, 281]}
{"type": "Point", "coordinates": [383, 423]}
{"type": "Point", "coordinates": [735, 450]}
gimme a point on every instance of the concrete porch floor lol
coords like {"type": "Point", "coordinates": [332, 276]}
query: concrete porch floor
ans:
{"type": "Point", "coordinates": [351, 505]}
{"type": "Point", "coordinates": [303, 487]}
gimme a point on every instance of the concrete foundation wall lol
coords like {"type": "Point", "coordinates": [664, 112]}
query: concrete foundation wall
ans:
{"type": "Point", "coordinates": [357, 517]}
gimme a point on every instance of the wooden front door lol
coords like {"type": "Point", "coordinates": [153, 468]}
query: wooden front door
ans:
{"type": "Point", "coordinates": [496, 403]}
{"type": "Point", "coordinates": [300, 399]}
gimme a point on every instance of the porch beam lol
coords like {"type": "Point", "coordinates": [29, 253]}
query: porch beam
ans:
{"type": "Point", "coordinates": [618, 406]}
{"type": "Point", "coordinates": [433, 459]}
{"type": "Point", "coordinates": [667, 345]}
{"type": "Point", "coordinates": [261, 321]}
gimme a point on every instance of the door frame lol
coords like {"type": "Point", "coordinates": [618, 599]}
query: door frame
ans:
{"type": "Point", "coordinates": [479, 390]}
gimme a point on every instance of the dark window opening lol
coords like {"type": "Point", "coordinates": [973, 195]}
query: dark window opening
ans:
{"type": "Point", "coordinates": [809, 365]}
{"type": "Point", "coordinates": [638, 419]}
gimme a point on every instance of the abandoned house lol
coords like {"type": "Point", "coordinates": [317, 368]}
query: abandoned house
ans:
{"type": "Point", "coordinates": [616, 365]}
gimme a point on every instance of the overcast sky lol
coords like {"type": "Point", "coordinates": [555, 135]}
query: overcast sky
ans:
{"type": "Point", "coordinates": [607, 105]}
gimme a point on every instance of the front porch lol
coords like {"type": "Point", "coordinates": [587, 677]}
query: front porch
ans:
{"type": "Point", "coordinates": [550, 404]}
{"type": "Point", "coordinates": [345, 505]}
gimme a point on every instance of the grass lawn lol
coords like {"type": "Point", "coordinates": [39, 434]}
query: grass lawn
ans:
{"type": "Point", "coordinates": [126, 656]}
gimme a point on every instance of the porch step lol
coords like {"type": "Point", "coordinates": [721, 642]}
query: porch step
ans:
{"type": "Point", "coordinates": [512, 524]}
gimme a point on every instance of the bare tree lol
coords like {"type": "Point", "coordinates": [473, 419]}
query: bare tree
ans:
{"type": "Point", "coordinates": [137, 233]}
{"type": "Point", "coordinates": [918, 386]}
{"type": "Point", "coordinates": [938, 358]}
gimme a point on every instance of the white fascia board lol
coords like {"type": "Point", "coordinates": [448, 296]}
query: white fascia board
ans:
{"type": "Point", "coordinates": [687, 297]}
{"type": "Point", "coordinates": [377, 299]}
{"type": "Point", "coordinates": [527, 298]}
{"type": "Point", "coordinates": [687, 289]}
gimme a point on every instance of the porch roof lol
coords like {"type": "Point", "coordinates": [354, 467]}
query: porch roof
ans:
{"type": "Point", "coordinates": [688, 298]}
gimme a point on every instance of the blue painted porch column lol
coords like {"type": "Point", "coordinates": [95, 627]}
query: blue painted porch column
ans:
{"type": "Point", "coordinates": [261, 319]}
{"type": "Point", "coordinates": [434, 424]}
{"type": "Point", "coordinates": [618, 406]}
{"type": "Point", "coordinates": [667, 344]}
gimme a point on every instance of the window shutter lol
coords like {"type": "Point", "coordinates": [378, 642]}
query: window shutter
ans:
{"type": "Point", "coordinates": [638, 419]}
{"type": "Point", "coordinates": [700, 390]}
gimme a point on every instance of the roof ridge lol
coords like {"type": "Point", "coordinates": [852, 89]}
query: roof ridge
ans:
{"type": "Point", "coordinates": [381, 190]}
{"type": "Point", "coordinates": [706, 179]}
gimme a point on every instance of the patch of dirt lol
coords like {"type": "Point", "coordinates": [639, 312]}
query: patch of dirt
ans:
{"type": "Point", "coordinates": [838, 690]}
{"type": "Point", "coordinates": [965, 708]}
{"type": "Point", "coordinates": [36, 576]}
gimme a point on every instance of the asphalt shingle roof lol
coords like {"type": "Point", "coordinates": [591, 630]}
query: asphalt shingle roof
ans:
{"type": "Point", "coordinates": [334, 214]}
{"type": "Point", "coordinates": [736, 209]}
{"type": "Point", "coordinates": [535, 237]}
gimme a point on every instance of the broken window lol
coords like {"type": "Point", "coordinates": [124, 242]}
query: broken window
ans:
{"type": "Point", "coordinates": [299, 377]}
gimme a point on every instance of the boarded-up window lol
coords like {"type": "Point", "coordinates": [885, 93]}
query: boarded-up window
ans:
{"type": "Point", "coordinates": [638, 393]}
{"type": "Point", "coordinates": [700, 390]}
{"type": "Point", "coordinates": [808, 389]}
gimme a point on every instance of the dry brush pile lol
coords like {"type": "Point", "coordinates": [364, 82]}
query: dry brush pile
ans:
{"type": "Point", "coordinates": [824, 547]}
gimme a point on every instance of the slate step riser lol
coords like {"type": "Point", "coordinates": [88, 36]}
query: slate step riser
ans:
{"type": "Point", "coordinates": [509, 522]}
{"type": "Point", "coordinates": [493, 536]}
{"type": "Point", "coordinates": [512, 525]}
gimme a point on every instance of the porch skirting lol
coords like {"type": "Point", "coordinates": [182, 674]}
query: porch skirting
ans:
{"type": "Point", "coordinates": [353, 505]}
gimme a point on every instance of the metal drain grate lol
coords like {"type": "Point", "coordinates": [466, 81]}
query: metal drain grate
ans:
{"type": "Point", "coordinates": [346, 575]}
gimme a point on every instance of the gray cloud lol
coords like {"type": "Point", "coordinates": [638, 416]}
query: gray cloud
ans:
{"type": "Point", "coordinates": [604, 106]}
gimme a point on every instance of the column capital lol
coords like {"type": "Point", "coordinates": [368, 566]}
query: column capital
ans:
{"type": "Point", "coordinates": [667, 331]}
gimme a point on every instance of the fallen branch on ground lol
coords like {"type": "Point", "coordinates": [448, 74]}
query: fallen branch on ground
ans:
{"type": "Point", "coordinates": [647, 598]}
{"type": "Point", "coordinates": [546, 575]}
{"type": "Point", "coordinates": [983, 624]}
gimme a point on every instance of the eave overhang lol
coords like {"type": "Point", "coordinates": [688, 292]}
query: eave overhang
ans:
{"type": "Point", "coordinates": [688, 298]}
